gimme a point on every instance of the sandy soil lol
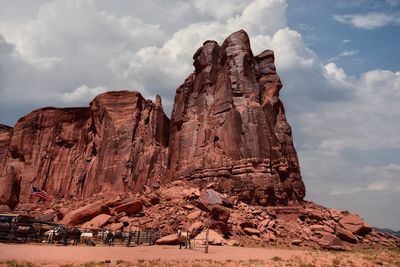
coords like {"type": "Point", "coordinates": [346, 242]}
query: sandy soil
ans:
{"type": "Point", "coordinates": [45, 255]}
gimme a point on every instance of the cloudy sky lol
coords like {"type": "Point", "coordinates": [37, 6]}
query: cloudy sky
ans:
{"type": "Point", "coordinates": [339, 62]}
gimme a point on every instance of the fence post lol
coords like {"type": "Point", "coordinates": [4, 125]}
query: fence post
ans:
{"type": "Point", "coordinates": [207, 232]}
{"type": "Point", "coordinates": [138, 238]}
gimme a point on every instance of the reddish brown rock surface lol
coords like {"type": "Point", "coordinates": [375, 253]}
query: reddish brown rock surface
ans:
{"type": "Point", "coordinates": [247, 225]}
{"type": "Point", "coordinates": [119, 144]}
{"type": "Point", "coordinates": [228, 125]}
{"type": "Point", "coordinates": [85, 213]}
{"type": "Point", "coordinates": [5, 135]}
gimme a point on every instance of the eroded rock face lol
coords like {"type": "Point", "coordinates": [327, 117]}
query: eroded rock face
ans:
{"type": "Point", "coordinates": [228, 130]}
{"type": "Point", "coordinates": [228, 124]}
{"type": "Point", "coordinates": [12, 188]}
{"type": "Point", "coordinates": [5, 135]}
{"type": "Point", "coordinates": [119, 143]}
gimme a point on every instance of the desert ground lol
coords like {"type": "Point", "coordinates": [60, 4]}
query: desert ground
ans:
{"type": "Point", "coordinates": [47, 255]}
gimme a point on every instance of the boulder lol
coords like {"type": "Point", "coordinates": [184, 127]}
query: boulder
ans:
{"type": "Point", "coordinates": [194, 215]}
{"type": "Point", "coordinates": [213, 238]}
{"type": "Point", "coordinates": [366, 229]}
{"type": "Point", "coordinates": [270, 237]}
{"type": "Point", "coordinates": [85, 213]}
{"type": "Point", "coordinates": [251, 231]}
{"type": "Point", "coordinates": [346, 235]}
{"type": "Point", "coordinates": [192, 193]}
{"type": "Point", "coordinates": [124, 219]}
{"type": "Point", "coordinates": [330, 223]}
{"type": "Point", "coordinates": [146, 201]}
{"type": "Point", "coordinates": [168, 240]}
{"type": "Point", "coordinates": [335, 214]}
{"type": "Point", "coordinates": [307, 231]}
{"type": "Point", "coordinates": [195, 228]}
{"type": "Point", "coordinates": [329, 241]}
{"type": "Point", "coordinates": [271, 224]}
{"type": "Point", "coordinates": [315, 214]}
{"type": "Point", "coordinates": [116, 217]}
{"type": "Point", "coordinates": [263, 224]}
{"type": "Point", "coordinates": [322, 228]}
{"type": "Point", "coordinates": [130, 208]}
{"type": "Point", "coordinates": [219, 213]}
{"type": "Point", "coordinates": [208, 198]}
{"type": "Point", "coordinates": [226, 202]}
{"type": "Point", "coordinates": [247, 224]}
{"type": "Point", "coordinates": [355, 224]}
{"type": "Point", "coordinates": [97, 222]}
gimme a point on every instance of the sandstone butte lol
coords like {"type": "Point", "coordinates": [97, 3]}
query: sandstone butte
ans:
{"type": "Point", "coordinates": [228, 126]}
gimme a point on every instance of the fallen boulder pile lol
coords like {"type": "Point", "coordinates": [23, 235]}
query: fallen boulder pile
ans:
{"type": "Point", "coordinates": [183, 205]}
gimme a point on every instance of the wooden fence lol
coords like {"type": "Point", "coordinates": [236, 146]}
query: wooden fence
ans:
{"type": "Point", "coordinates": [16, 228]}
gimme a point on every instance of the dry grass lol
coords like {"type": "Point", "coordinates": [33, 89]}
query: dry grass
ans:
{"type": "Point", "coordinates": [14, 263]}
{"type": "Point", "coordinates": [308, 259]}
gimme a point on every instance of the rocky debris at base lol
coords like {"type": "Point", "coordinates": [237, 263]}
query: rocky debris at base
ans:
{"type": "Point", "coordinates": [130, 207]}
{"type": "Point", "coordinates": [214, 238]}
{"type": "Point", "coordinates": [85, 213]}
{"type": "Point", "coordinates": [97, 222]}
{"type": "Point", "coordinates": [171, 239]}
{"type": "Point", "coordinates": [303, 225]}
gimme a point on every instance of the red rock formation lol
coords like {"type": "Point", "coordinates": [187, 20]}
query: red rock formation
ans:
{"type": "Point", "coordinates": [118, 144]}
{"type": "Point", "coordinates": [5, 135]}
{"type": "Point", "coordinates": [85, 213]}
{"type": "Point", "coordinates": [228, 124]}
{"type": "Point", "coordinates": [12, 189]}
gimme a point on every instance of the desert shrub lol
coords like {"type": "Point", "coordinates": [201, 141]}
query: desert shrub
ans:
{"type": "Point", "coordinates": [14, 263]}
{"type": "Point", "coordinates": [336, 262]}
{"type": "Point", "coordinates": [276, 258]}
{"type": "Point", "coordinates": [90, 264]}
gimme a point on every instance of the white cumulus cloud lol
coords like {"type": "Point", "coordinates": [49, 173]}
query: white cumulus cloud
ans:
{"type": "Point", "coordinates": [369, 21]}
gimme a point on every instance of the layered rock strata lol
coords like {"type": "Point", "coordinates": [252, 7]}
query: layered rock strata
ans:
{"type": "Point", "coordinates": [119, 143]}
{"type": "Point", "coordinates": [229, 125]}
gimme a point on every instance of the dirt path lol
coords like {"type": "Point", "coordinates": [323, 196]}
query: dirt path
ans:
{"type": "Point", "coordinates": [45, 255]}
{"type": "Point", "coordinates": [82, 254]}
